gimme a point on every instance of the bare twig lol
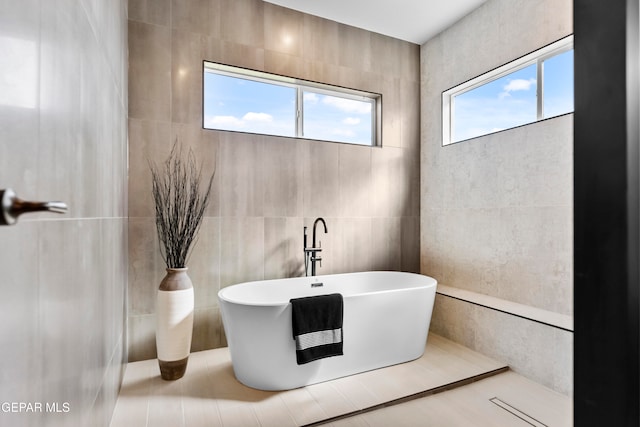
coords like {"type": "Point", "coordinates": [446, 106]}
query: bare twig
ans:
{"type": "Point", "coordinates": [179, 203]}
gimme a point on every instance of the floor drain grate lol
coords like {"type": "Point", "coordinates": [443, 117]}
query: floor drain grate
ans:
{"type": "Point", "coordinates": [516, 412]}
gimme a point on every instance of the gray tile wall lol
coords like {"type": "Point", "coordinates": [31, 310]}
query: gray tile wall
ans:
{"type": "Point", "coordinates": [63, 136]}
{"type": "Point", "coordinates": [267, 188]}
{"type": "Point", "coordinates": [496, 211]}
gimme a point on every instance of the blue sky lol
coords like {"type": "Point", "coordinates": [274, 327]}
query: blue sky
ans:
{"type": "Point", "coordinates": [248, 106]}
{"type": "Point", "coordinates": [243, 105]}
{"type": "Point", "coordinates": [338, 119]}
{"type": "Point", "coordinates": [558, 84]}
{"type": "Point", "coordinates": [237, 104]}
{"type": "Point", "coordinates": [510, 101]}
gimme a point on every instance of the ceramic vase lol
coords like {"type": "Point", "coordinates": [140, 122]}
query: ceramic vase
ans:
{"type": "Point", "coordinates": [174, 323]}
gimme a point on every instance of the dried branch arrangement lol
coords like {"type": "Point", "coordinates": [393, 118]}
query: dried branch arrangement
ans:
{"type": "Point", "coordinates": [180, 204]}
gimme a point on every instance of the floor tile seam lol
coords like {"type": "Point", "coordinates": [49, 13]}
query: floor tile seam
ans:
{"type": "Point", "coordinates": [342, 396]}
{"type": "Point", "coordinates": [369, 385]}
{"type": "Point", "coordinates": [334, 391]}
{"type": "Point", "coordinates": [290, 410]}
{"type": "Point", "coordinates": [483, 362]}
{"type": "Point", "coordinates": [457, 350]}
{"type": "Point", "coordinates": [352, 401]}
{"type": "Point", "coordinates": [291, 416]}
{"type": "Point", "coordinates": [255, 415]}
{"type": "Point", "coordinates": [425, 393]}
{"type": "Point", "coordinates": [431, 372]}
{"type": "Point", "coordinates": [317, 403]}
{"type": "Point", "coordinates": [209, 368]}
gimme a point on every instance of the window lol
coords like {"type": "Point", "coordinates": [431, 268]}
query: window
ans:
{"type": "Point", "coordinates": [535, 87]}
{"type": "Point", "coordinates": [241, 100]}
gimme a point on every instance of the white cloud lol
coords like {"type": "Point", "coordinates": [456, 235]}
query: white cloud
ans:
{"type": "Point", "coordinates": [251, 122]}
{"type": "Point", "coordinates": [519, 84]}
{"type": "Point", "coordinates": [224, 121]}
{"type": "Point", "coordinates": [258, 117]}
{"type": "Point", "coordinates": [351, 121]}
{"type": "Point", "coordinates": [232, 122]}
{"type": "Point", "coordinates": [347, 105]}
{"type": "Point", "coordinates": [311, 97]}
{"type": "Point", "coordinates": [343, 132]}
{"type": "Point", "coordinates": [516, 85]}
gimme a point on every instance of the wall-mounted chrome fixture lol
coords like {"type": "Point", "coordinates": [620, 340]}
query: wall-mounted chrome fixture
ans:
{"type": "Point", "coordinates": [11, 207]}
{"type": "Point", "coordinates": [311, 254]}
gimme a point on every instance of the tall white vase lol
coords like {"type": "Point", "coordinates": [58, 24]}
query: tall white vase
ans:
{"type": "Point", "coordinates": [174, 323]}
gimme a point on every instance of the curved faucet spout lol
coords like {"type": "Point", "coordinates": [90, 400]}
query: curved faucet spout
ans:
{"type": "Point", "coordinates": [311, 254]}
{"type": "Point", "coordinates": [315, 223]}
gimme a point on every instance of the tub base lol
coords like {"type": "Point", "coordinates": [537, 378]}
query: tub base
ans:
{"type": "Point", "coordinates": [386, 322]}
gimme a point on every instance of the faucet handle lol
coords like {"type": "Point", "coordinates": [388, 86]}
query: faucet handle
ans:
{"type": "Point", "coordinates": [304, 243]}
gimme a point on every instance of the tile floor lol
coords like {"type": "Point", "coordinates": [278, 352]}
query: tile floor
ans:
{"type": "Point", "coordinates": [527, 404]}
{"type": "Point", "coordinates": [449, 385]}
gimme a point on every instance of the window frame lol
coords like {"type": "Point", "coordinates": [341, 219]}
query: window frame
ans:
{"type": "Point", "coordinates": [300, 87]}
{"type": "Point", "coordinates": [537, 57]}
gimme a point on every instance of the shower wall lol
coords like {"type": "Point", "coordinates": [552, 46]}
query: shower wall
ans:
{"type": "Point", "coordinates": [267, 188]}
{"type": "Point", "coordinates": [497, 211]}
{"type": "Point", "coordinates": [63, 136]}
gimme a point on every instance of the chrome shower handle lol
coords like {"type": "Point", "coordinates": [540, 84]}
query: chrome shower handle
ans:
{"type": "Point", "coordinates": [23, 206]}
{"type": "Point", "coordinates": [11, 207]}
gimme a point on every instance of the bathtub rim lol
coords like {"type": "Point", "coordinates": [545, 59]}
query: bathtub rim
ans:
{"type": "Point", "coordinates": [429, 282]}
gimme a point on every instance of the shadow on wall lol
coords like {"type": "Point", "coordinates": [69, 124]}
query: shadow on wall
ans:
{"type": "Point", "coordinates": [292, 266]}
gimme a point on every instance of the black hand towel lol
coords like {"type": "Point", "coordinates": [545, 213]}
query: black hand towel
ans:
{"type": "Point", "coordinates": [317, 327]}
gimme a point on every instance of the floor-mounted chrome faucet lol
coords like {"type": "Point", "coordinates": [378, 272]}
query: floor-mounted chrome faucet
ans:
{"type": "Point", "coordinates": [311, 254]}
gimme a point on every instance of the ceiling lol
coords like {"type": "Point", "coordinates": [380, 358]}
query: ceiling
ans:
{"type": "Point", "coordinates": [415, 21]}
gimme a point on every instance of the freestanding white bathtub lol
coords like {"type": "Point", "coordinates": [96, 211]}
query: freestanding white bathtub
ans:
{"type": "Point", "coordinates": [386, 321]}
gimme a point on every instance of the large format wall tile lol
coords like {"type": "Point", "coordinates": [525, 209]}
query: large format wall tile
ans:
{"type": "Point", "coordinates": [187, 52]}
{"type": "Point", "coordinates": [283, 30]}
{"type": "Point", "coordinates": [266, 189]}
{"type": "Point", "coordinates": [354, 47]}
{"type": "Point", "coordinates": [204, 264]}
{"type": "Point", "coordinates": [321, 182]}
{"type": "Point", "coordinates": [496, 211]}
{"type": "Point", "coordinates": [505, 227]}
{"type": "Point", "coordinates": [64, 137]}
{"type": "Point", "coordinates": [142, 331]}
{"type": "Point", "coordinates": [283, 172]}
{"type": "Point", "coordinates": [241, 250]}
{"type": "Point", "coordinates": [22, 350]}
{"type": "Point", "coordinates": [149, 71]}
{"type": "Point", "coordinates": [354, 176]}
{"type": "Point", "coordinates": [283, 239]}
{"type": "Point", "coordinates": [156, 12]}
{"type": "Point", "coordinates": [540, 352]}
{"type": "Point", "coordinates": [321, 49]}
{"type": "Point", "coordinates": [198, 16]}
{"type": "Point", "coordinates": [243, 22]}
{"type": "Point", "coordinates": [242, 176]}
{"type": "Point", "coordinates": [386, 244]}
{"type": "Point", "coordinates": [150, 143]}
{"type": "Point", "coordinates": [146, 266]}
